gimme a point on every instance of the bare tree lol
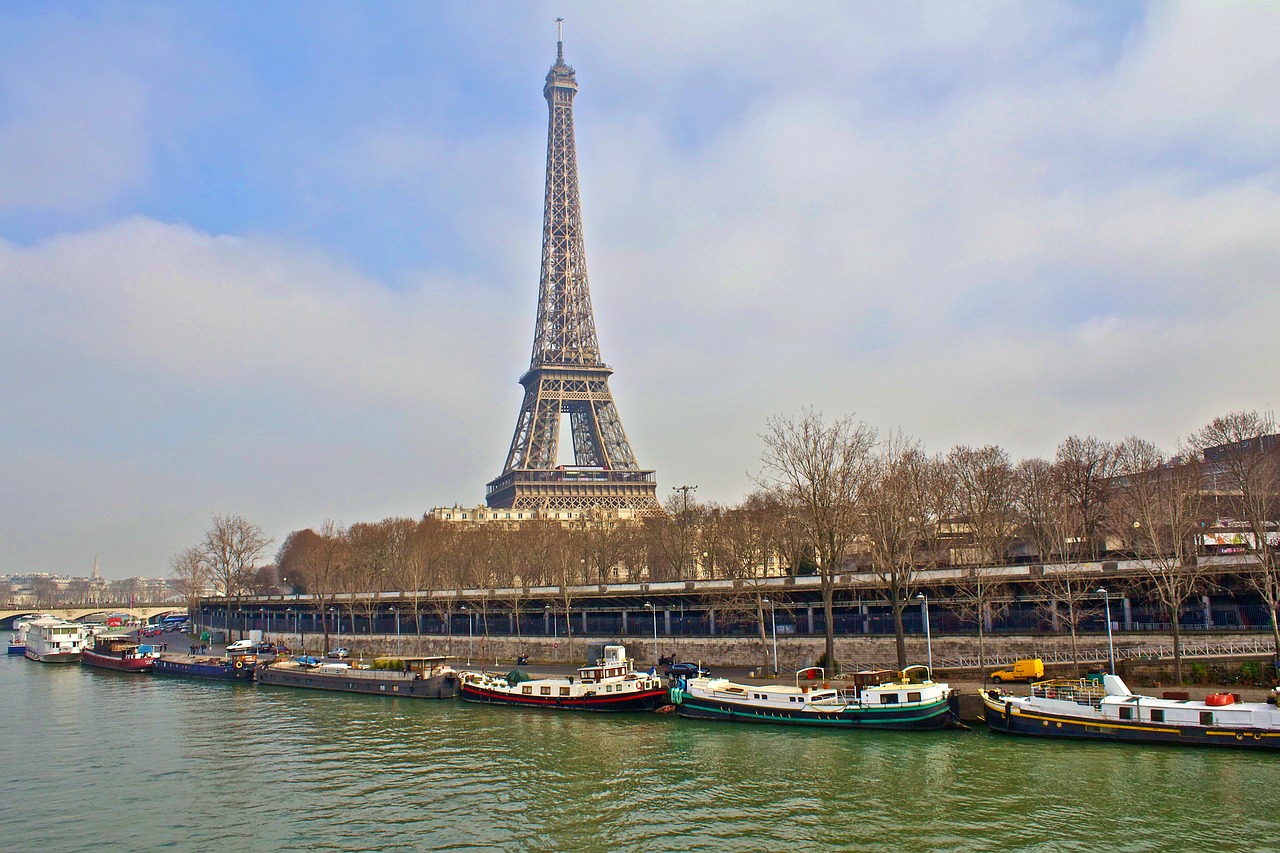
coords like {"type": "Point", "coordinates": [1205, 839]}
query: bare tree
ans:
{"type": "Point", "coordinates": [190, 573]}
{"type": "Point", "coordinates": [1043, 508]}
{"type": "Point", "coordinates": [1159, 505]}
{"type": "Point", "coordinates": [45, 592]}
{"type": "Point", "coordinates": [673, 537]}
{"type": "Point", "coordinates": [317, 561]}
{"type": "Point", "coordinates": [1069, 586]}
{"type": "Point", "coordinates": [232, 548]}
{"type": "Point", "coordinates": [747, 541]}
{"type": "Point", "coordinates": [985, 498]}
{"type": "Point", "coordinates": [1086, 467]}
{"type": "Point", "coordinates": [1245, 469]}
{"type": "Point", "coordinates": [819, 470]}
{"type": "Point", "coordinates": [905, 500]}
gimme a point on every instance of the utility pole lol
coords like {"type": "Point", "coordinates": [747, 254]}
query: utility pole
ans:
{"type": "Point", "coordinates": [684, 490]}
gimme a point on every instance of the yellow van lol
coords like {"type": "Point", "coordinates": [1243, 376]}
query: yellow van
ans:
{"type": "Point", "coordinates": [1027, 669]}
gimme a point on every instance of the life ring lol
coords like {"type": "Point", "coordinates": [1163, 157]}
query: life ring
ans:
{"type": "Point", "coordinates": [1219, 699]}
{"type": "Point", "coordinates": [239, 664]}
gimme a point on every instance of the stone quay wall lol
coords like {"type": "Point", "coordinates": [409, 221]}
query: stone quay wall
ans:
{"type": "Point", "coordinates": [794, 652]}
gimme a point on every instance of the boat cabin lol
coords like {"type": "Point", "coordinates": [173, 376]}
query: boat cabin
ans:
{"type": "Point", "coordinates": [613, 664]}
{"type": "Point", "coordinates": [424, 666]}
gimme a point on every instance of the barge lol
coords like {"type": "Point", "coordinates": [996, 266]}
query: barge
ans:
{"type": "Point", "coordinates": [909, 700]}
{"type": "Point", "coordinates": [414, 678]}
{"type": "Point", "coordinates": [119, 652]}
{"type": "Point", "coordinates": [608, 685]}
{"type": "Point", "coordinates": [1108, 710]}
{"type": "Point", "coordinates": [226, 668]}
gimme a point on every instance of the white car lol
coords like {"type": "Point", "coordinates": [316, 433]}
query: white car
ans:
{"type": "Point", "coordinates": [241, 646]}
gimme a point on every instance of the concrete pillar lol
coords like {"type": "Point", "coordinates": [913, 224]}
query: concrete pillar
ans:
{"type": "Point", "coordinates": [1053, 616]}
{"type": "Point", "coordinates": [986, 616]}
{"type": "Point", "coordinates": [866, 617]}
{"type": "Point", "coordinates": [1128, 614]}
{"type": "Point", "coordinates": [511, 623]}
{"type": "Point", "coordinates": [809, 616]}
{"type": "Point", "coordinates": [711, 620]}
{"type": "Point", "coordinates": [584, 623]}
{"type": "Point", "coordinates": [666, 620]}
{"type": "Point", "coordinates": [546, 622]}
{"type": "Point", "coordinates": [624, 621]}
{"type": "Point", "coordinates": [1208, 611]}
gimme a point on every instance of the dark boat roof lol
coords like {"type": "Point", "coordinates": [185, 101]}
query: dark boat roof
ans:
{"type": "Point", "coordinates": [431, 659]}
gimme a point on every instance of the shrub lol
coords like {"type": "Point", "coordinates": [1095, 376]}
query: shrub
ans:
{"type": "Point", "coordinates": [1200, 673]}
{"type": "Point", "coordinates": [1250, 672]}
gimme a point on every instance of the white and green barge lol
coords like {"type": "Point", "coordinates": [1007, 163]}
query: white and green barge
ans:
{"type": "Point", "coordinates": [910, 700]}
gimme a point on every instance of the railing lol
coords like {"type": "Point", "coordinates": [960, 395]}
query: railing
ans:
{"type": "Point", "coordinates": [1204, 649]}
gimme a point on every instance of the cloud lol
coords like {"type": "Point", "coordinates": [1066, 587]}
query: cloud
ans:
{"type": "Point", "coordinates": [1006, 224]}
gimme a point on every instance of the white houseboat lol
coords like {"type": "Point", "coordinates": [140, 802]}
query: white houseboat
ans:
{"type": "Point", "coordinates": [54, 641]}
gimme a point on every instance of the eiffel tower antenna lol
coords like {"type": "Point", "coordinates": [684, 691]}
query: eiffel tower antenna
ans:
{"type": "Point", "coordinates": [566, 373]}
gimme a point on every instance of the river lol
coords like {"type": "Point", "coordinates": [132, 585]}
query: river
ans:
{"type": "Point", "coordinates": [103, 760]}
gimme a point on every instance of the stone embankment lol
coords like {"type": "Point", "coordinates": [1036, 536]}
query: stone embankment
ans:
{"type": "Point", "coordinates": [794, 652]}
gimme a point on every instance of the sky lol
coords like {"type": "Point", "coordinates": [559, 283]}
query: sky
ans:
{"type": "Point", "coordinates": [281, 260]}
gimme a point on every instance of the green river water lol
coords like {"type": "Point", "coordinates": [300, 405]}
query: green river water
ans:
{"type": "Point", "coordinates": [102, 760]}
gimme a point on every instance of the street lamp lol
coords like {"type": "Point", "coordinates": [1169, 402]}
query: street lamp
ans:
{"type": "Point", "coordinates": [396, 611]}
{"type": "Point", "coordinates": [469, 634]}
{"type": "Point", "coordinates": [1111, 649]}
{"type": "Point", "coordinates": [928, 635]}
{"type": "Point", "coordinates": [649, 606]}
{"type": "Point", "coordinates": [773, 617]}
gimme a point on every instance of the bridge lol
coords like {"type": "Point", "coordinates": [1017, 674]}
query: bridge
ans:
{"type": "Point", "coordinates": [143, 612]}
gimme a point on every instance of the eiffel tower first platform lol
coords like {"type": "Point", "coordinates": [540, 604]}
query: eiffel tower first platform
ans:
{"type": "Point", "coordinates": [566, 374]}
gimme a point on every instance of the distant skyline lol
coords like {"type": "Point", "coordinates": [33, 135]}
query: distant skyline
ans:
{"type": "Point", "coordinates": [282, 261]}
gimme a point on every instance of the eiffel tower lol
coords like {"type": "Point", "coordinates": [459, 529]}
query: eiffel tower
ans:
{"type": "Point", "coordinates": [566, 373]}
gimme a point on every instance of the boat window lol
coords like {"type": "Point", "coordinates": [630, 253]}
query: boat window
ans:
{"type": "Point", "coordinates": [526, 690]}
{"type": "Point", "coordinates": [914, 696]}
{"type": "Point", "coordinates": [1157, 715]}
{"type": "Point", "coordinates": [564, 691]}
{"type": "Point", "coordinates": [1126, 713]}
{"type": "Point", "coordinates": [888, 698]}
{"type": "Point", "coordinates": [545, 691]}
{"type": "Point", "coordinates": [1206, 718]}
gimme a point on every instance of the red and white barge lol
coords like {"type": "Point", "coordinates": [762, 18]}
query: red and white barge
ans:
{"type": "Point", "coordinates": [608, 685]}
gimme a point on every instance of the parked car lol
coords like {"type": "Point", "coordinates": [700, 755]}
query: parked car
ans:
{"type": "Point", "coordinates": [340, 652]}
{"type": "Point", "coordinates": [150, 631]}
{"type": "Point", "coordinates": [241, 646]}
{"type": "Point", "coordinates": [687, 670]}
{"type": "Point", "coordinates": [272, 649]}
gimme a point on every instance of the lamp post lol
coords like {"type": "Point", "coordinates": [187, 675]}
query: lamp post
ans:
{"type": "Point", "coordinates": [469, 633]}
{"type": "Point", "coordinates": [928, 634]}
{"type": "Point", "coordinates": [396, 611]}
{"type": "Point", "coordinates": [1111, 649]}
{"type": "Point", "coordinates": [649, 606]}
{"type": "Point", "coordinates": [773, 618]}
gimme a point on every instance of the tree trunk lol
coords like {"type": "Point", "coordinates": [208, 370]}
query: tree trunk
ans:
{"type": "Point", "coordinates": [828, 596]}
{"type": "Point", "coordinates": [899, 633]}
{"type": "Point", "coordinates": [764, 637]}
{"type": "Point", "coordinates": [1177, 643]}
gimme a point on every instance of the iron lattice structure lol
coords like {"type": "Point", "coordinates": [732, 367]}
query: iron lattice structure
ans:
{"type": "Point", "coordinates": [566, 373]}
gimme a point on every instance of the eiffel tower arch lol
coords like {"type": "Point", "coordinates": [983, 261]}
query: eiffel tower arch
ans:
{"type": "Point", "coordinates": [566, 373]}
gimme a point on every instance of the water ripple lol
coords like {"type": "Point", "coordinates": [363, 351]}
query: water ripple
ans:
{"type": "Point", "coordinates": [151, 763]}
